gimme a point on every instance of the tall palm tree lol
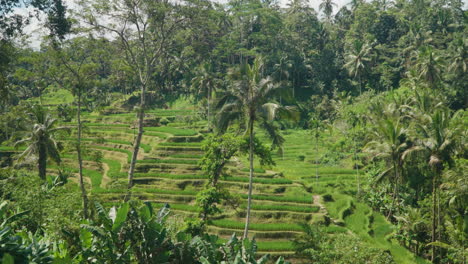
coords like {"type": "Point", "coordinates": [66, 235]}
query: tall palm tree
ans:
{"type": "Point", "coordinates": [439, 141]}
{"type": "Point", "coordinates": [250, 101]}
{"type": "Point", "coordinates": [356, 60]}
{"type": "Point", "coordinates": [390, 144]}
{"type": "Point", "coordinates": [459, 56]}
{"type": "Point", "coordinates": [429, 66]}
{"type": "Point", "coordinates": [41, 139]}
{"type": "Point", "coordinates": [206, 83]}
{"type": "Point", "coordinates": [354, 4]}
{"type": "Point", "coordinates": [327, 7]}
{"type": "Point", "coordinates": [317, 126]}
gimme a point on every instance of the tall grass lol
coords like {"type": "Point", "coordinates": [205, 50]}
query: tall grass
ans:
{"type": "Point", "coordinates": [170, 161]}
{"type": "Point", "coordinates": [128, 152]}
{"type": "Point", "coordinates": [183, 144]}
{"type": "Point", "coordinates": [114, 167]}
{"type": "Point", "coordinates": [306, 200]}
{"type": "Point", "coordinates": [231, 224]}
{"type": "Point", "coordinates": [172, 130]}
{"type": "Point", "coordinates": [185, 156]}
{"type": "Point", "coordinates": [291, 208]}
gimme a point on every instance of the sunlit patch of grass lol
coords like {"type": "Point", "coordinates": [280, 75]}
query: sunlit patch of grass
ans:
{"type": "Point", "coordinates": [231, 224]}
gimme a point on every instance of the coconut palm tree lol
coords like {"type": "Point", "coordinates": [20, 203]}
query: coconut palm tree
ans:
{"type": "Point", "coordinates": [327, 7]}
{"type": "Point", "coordinates": [438, 141]}
{"type": "Point", "coordinates": [390, 144]}
{"type": "Point", "coordinates": [356, 60]}
{"type": "Point", "coordinates": [250, 102]}
{"type": "Point", "coordinates": [316, 126]}
{"type": "Point", "coordinates": [206, 83]}
{"type": "Point", "coordinates": [459, 56]}
{"type": "Point", "coordinates": [429, 66]}
{"type": "Point", "coordinates": [41, 139]}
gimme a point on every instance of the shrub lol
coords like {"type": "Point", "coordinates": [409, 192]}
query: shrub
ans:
{"type": "Point", "coordinates": [328, 198]}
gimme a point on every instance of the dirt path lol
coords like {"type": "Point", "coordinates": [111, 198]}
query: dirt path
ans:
{"type": "Point", "coordinates": [318, 203]}
{"type": "Point", "coordinates": [105, 178]}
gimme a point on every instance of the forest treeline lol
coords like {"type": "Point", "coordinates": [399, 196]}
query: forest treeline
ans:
{"type": "Point", "coordinates": [389, 76]}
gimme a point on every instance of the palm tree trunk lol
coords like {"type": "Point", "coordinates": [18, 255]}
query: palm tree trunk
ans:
{"type": "Point", "coordinates": [316, 160]}
{"type": "Point", "coordinates": [136, 144]}
{"type": "Point", "coordinates": [360, 85]}
{"type": "Point", "coordinates": [42, 161]}
{"type": "Point", "coordinates": [208, 102]}
{"type": "Point", "coordinates": [434, 217]}
{"type": "Point", "coordinates": [80, 159]}
{"type": "Point", "coordinates": [251, 159]}
{"type": "Point", "coordinates": [357, 167]}
{"type": "Point", "coordinates": [395, 189]}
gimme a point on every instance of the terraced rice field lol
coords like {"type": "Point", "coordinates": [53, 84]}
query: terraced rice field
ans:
{"type": "Point", "coordinates": [283, 196]}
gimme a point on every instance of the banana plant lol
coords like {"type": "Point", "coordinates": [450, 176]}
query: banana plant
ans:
{"type": "Point", "coordinates": [21, 247]}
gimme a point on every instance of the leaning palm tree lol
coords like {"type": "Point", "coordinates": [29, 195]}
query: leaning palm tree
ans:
{"type": "Point", "coordinates": [327, 7]}
{"type": "Point", "coordinates": [205, 83]}
{"type": "Point", "coordinates": [440, 135]}
{"type": "Point", "coordinates": [356, 60]}
{"type": "Point", "coordinates": [41, 139]}
{"type": "Point", "coordinates": [250, 102]}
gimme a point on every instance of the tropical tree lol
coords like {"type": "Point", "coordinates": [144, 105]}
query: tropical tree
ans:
{"type": "Point", "coordinates": [41, 139]}
{"type": "Point", "coordinates": [218, 150]}
{"type": "Point", "coordinates": [428, 66]}
{"type": "Point", "coordinates": [327, 7]}
{"type": "Point", "coordinates": [74, 65]}
{"type": "Point", "coordinates": [439, 135]}
{"type": "Point", "coordinates": [458, 56]}
{"type": "Point", "coordinates": [356, 60]}
{"type": "Point", "coordinates": [250, 101]}
{"type": "Point", "coordinates": [389, 144]}
{"type": "Point", "coordinates": [317, 126]}
{"type": "Point", "coordinates": [144, 30]}
{"type": "Point", "coordinates": [206, 83]}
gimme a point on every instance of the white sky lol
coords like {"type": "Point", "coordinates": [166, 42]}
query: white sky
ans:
{"type": "Point", "coordinates": [34, 31]}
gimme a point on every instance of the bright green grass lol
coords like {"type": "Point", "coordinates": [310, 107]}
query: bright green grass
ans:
{"type": "Point", "coordinates": [152, 190]}
{"type": "Point", "coordinates": [60, 96]}
{"type": "Point", "coordinates": [257, 170]}
{"type": "Point", "coordinates": [128, 152]}
{"type": "Point", "coordinates": [114, 167]}
{"type": "Point", "coordinates": [231, 224]}
{"type": "Point", "coordinates": [334, 229]}
{"type": "Point", "coordinates": [182, 144]}
{"type": "Point", "coordinates": [382, 229]}
{"type": "Point", "coordinates": [170, 161]}
{"type": "Point", "coordinates": [306, 200]}
{"type": "Point", "coordinates": [181, 207]}
{"type": "Point", "coordinates": [117, 131]}
{"type": "Point", "coordinates": [10, 148]}
{"type": "Point", "coordinates": [359, 220]}
{"type": "Point", "coordinates": [185, 156]}
{"type": "Point", "coordinates": [170, 112]}
{"type": "Point", "coordinates": [340, 204]}
{"type": "Point", "coordinates": [275, 245]}
{"type": "Point", "coordinates": [106, 125]}
{"type": "Point", "coordinates": [95, 176]}
{"type": "Point", "coordinates": [155, 134]}
{"type": "Point", "coordinates": [199, 176]}
{"type": "Point", "coordinates": [273, 207]}
{"type": "Point", "coordinates": [258, 180]}
{"type": "Point", "coordinates": [165, 176]}
{"type": "Point", "coordinates": [172, 130]}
